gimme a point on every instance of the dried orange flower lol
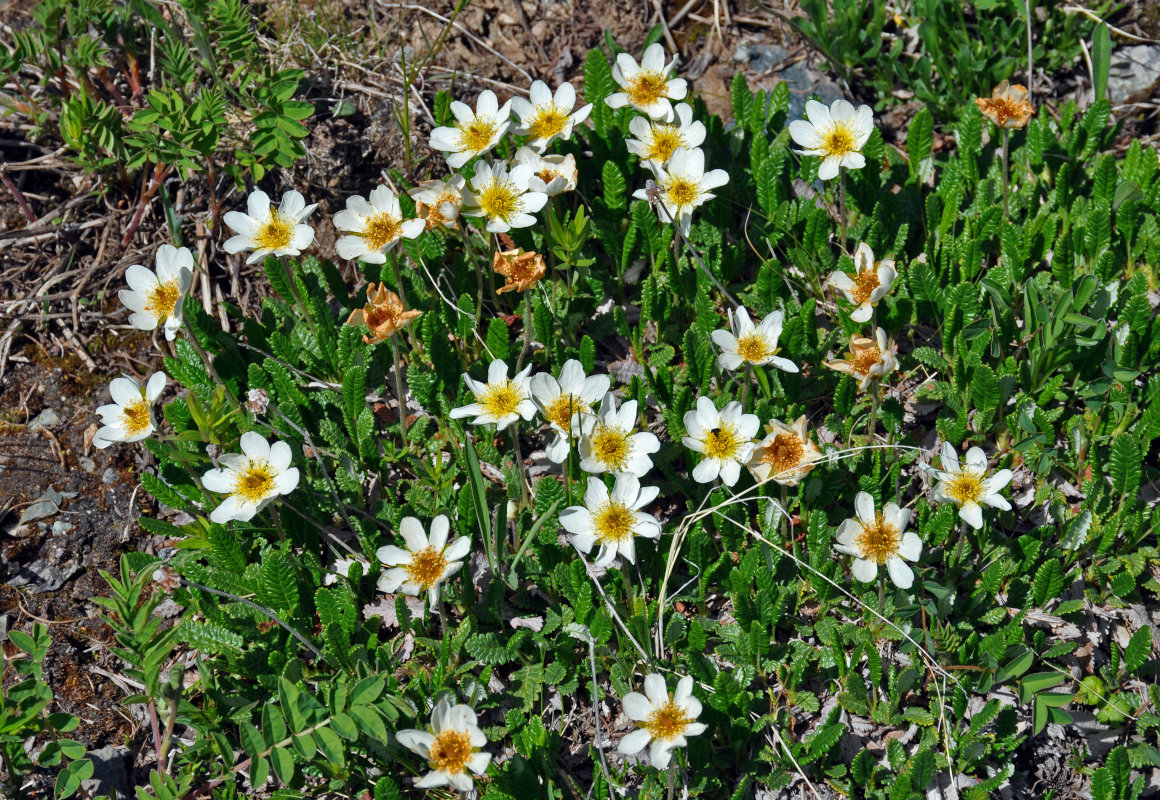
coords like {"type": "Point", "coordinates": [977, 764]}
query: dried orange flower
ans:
{"type": "Point", "coordinates": [1008, 106]}
{"type": "Point", "coordinates": [383, 314]}
{"type": "Point", "coordinates": [520, 268]}
{"type": "Point", "coordinates": [868, 360]}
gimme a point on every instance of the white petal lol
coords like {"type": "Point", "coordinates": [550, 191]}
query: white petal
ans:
{"type": "Point", "coordinates": [637, 706]}
{"type": "Point", "coordinates": [972, 514]}
{"type": "Point", "coordinates": [864, 570]}
{"type": "Point", "coordinates": [413, 534]}
{"type": "Point", "coordinates": [900, 573]}
{"type": "Point", "coordinates": [634, 742]}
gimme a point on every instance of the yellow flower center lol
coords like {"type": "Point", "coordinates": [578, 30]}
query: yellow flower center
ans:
{"type": "Point", "coordinates": [665, 139]}
{"type": "Point", "coordinates": [426, 568]}
{"type": "Point", "coordinates": [866, 358]}
{"type": "Point", "coordinates": [839, 140]}
{"type": "Point", "coordinates": [450, 751]}
{"type": "Point", "coordinates": [611, 446]}
{"type": "Point", "coordinates": [162, 299]}
{"type": "Point", "coordinates": [965, 487]}
{"type": "Point", "coordinates": [135, 417]}
{"type": "Point", "coordinates": [501, 399]}
{"type": "Point", "coordinates": [613, 522]}
{"type": "Point", "coordinates": [752, 347]}
{"type": "Point", "coordinates": [381, 229]}
{"type": "Point", "coordinates": [878, 542]}
{"type": "Point", "coordinates": [476, 136]}
{"type": "Point", "coordinates": [275, 233]}
{"type": "Point", "coordinates": [500, 200]}
{"type": "Point", "coordinates": [667, 722]}
{"type": "Point", "coordinates": [682, 192]}
{"type": "Point", "coordinates": [547, 121]}
{"type": "Point", "coordinates": [547, 174]}
{"type": "Point", "coordinates": [560, 411]}
{"type": "Point", "coordinates": [646, 87]}
{"type": "Point", "coordinates": [256, 482]}
{"type": "Point", "coordinates": [865, 282]}
{"type": "Point", "coordinates": [783, 453]}
{"type": "Point", "coordinates": [722, 442]}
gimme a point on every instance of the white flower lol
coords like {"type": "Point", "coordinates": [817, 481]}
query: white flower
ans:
{"type": "Point", "coordinates": [129, 418]}
{"type": "Point", "coordinates": [868, 360]}
{"type": "Point", "coordinates": [724, 438]}
{"type": "Point", "coordinates": [269, 231]}
{"type": "Point", "coordinates": [450, 747]}
{"type": "Point", "coordinates": [657, 141]}
{"type": "Point", "coordinates": [342, 567]}
{"type": "Point", "coordinates": [252, 479]}
{"type": "Point", "coordinates": [647, 86]}
{"type": "Point", "coordinates": [544, 116]}
{"type": "Point", "coordinates": [747, 344]}
{"type": "Point", "coordinates": [612, 520]}
{"type": "Point", "coordinates": [875, 539]}
{"type": "Point", "coordinates": [551, 174]}
{"type": "Point", "coordinates": [664, 719]}
{"type": "Point", "coordinates": [155, 298]}
{"type": "Point", "coordinates": [474, 132]}
{"type": "Point", "coordinates": [682, 186]}
{"type": "Point", "coordinates": [438, 202]}
{"type": "Point", "coordinates": [836, 135]}
{"type": "Point", "coordinates": [785, 455]}
{"type": "Point", "coordinates": [561, 400]}
{"type": "Point", "coordinates": [504, 198]}
{"type": "Point", "coordinates": [426, 563]}
{"type": "Point", "coordinates": [869, 283]}
{"type": "Point", "coordinates": [500, 401]}
{"type": "Point", "coordinates": [968, 486]}
{"type": "Point", "coordinates": [374, 226]}
{"type": "Point", "coordinates": [608, 442]}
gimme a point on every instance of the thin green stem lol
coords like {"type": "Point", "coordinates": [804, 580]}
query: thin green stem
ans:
{"type": "Point", "coordinates": [1006, 135]}
{"type": "Point", "coordinates": [527, 345]}
{"type": "Point", "coordinates": [881, 593]}
{"type": "Point", "coordinates": [872, 421]}
{"type": "Point", "coordinates": [842, 222]}
{"type": "Point", "coordinates": [400, 387]}
{"type": "Point", "coordinates": [398, 278]}
{"type": "Point", "coordinates": [521, 474]}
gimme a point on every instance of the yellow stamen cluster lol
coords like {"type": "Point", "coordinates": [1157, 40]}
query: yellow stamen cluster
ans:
{"type": "Point", "coordinates": [256, 482]}
{"type": "Point", "coordinates": [839, 140]}
{"type": "Point", "coordinates": [500, 200]}
{"type": "Point", "coordinates": [965, 487]}
{"type": "Point", "coordinates": [752, 347]}
{"type": "Point", "coordinates": [722, 442]}
{"type": "Point", "coordinates": [878, 542]}
{"type": "Point", "coordinates": [865, 282]}
{"type": "Point", "coordinates": [162, 299]}
{"type": "Point", "coordinates": [426, 568]}
{"type": "Point", "coordinates": [501, 399]}
{"type": "Point", "coordinates": [665, 140]}
{"type": "Point", "coordinates": [548, 121]}
{"type": "Point", "coordinates": [135, 418]}
{"type": "Point", "coordinates": [667, 722]}
{"type": "Point", "coordinates": [450, 751]}
{"type": "Point", "coordinates": [613, 522]}
{"type": "Point", "coordinates": [275, 234]}
{"type": "Point", "coordinates": [476, 135]}
{"type": "Point", "coordinates": [381, 229]}
{"type": "Point", "coordinates": [610, 446]}
{"type": "Point", "coordinates": [784, 453]}
{"type": "Point", "coordinates": [563, 407]}
{"type": "Point", "coordinates": [646, 87]}
{"type": "Point", "coordinates": [681, 192]}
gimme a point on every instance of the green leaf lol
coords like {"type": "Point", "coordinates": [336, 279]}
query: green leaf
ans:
{"type": "Point", "coordinates": [919, 141]}
{"type": "Point", "coordinates": [614, 186]}
{"type": "Point", "coordinates": [368, 690]}
{"type": "Point", "coordinates": [1124, 465]}
{"type": "Point", "coordinates": [283, 763]}
{"type": "Point", "coordinates": [498, 338]}
{"type": "Point", "coordinates": [1048, 582]}
{"type": "Point", "coordinates": [277, 584]}
{"type": "Point", "coordinates": [1101, 59]}
{"type": "Point", "coordinates": [1138, 649]}
{"type": "Point", "coordinates": [70, 778]}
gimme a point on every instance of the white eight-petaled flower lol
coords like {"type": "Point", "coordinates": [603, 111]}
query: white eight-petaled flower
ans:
{"type": "Point", "coordinates": [879, 539]}
{"type": "Point", "coordinates": [752, 344]}
{"type": "Point", "coordinates": [561, 400]}
{"type": "Point", "coordinates": [968, 486]}
{"type": "Point", "coordinates": [451, 746]}
{"type": "Point", "coordinates": [252, 478]}
{"type": "Point", "coordinates": [270, 231]}
{"type": "Point", "coordinates": [474, 132]}
{"type": "Point", "coordinates": [647, 86]}
{"type": "Point", "coordinates": [612, 520]}
{"type": "Point", "coordinates": [546, 116]}
{"type": "Point", "coordinates": [609, 441]}
{"type": "Point", "coordinates": [666, 720]}
{"type": "Point", "coordinates": [723, 438]}
{"type": "Point", "coordinates": [156, 297]}
{"type": "Point", "coordinates": [500, 401]}
{"type": "Point", "coordinates": [505, 199]}
{"type": "Point", "coordinates": [870, 282]}
{"type": "Point", "coordinates": [657, 141]}
{"type": "Point", "coordinates": [836, 135]}
{"type": "Point", "coordinates": [681, 186]}
{"type": "Point", "coordinates": [425, 563]}
{"type": "Point", "coordinates": [129, 418]}
{"type": "Point", "coordinates": [373, 226]}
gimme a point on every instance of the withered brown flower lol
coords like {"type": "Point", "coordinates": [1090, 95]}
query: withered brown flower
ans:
{"type": "Point", "coordinates": [383, 314]}
{"type": "Point", "coordinates": [1008, 106]}
{"type": "Point", "coordinates": [521, 269]}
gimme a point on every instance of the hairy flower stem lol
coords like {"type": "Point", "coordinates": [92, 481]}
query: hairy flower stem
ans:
{"type": "Point", "coordinates": [527, 345]}
{"type": "Point", "coordinates": [881, 594]}
{"type": "Point", "coordinates": [400, 387]}
{"type": "Point", "coordinates": [875, 403]}
{"type": "Point", "coordinates": [962, 541]}
{"type": "Point", "coordinates": [842, 209]}
{"type": "Point", "coordinates": [785, 531]}
{"type": "Point", "coordinates": [520, 473]}
{"type": "Point", "coordinates": [398, 279]}
{"type": "Point", "coordinates": [745, 384]}
{"type": "Point", "coordinates": [1006, 179]}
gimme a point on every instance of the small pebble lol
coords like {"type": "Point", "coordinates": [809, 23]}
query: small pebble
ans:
{"type": "Point", "coordinates": [87, 464]}
{"type": "Point", "coordinates": [109, 476]}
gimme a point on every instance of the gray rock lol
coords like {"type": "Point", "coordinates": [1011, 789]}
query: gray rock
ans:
{"type": "Point", "coordinates": [46, 505]}
{"type": "Point", "coordinates": [760, 57]}
{"type": "Point", "coordinates": [1134, 73]}
{"type": "Point", "coordinates": [110, 777]}
{"type": "Point", "coordinates": [109, 476]}
{"type": "Point", "coordinates": [40, 576]}
{"type": "Point", "coordinates": [60, 526]}
{"type": "Point", "coordinates": [45, 419]}
{"type": "Point", "coordinates": [87, 464]}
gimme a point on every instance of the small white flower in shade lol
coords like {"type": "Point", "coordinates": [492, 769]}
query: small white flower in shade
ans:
{"type": "Point", "coordinates": [683, 185]}
{"type": "Point", "coordinates": [724, 439]}
{"type": "Point", "coordinates": [647, 86]}
{"type": "Point", "coordinates": [785, 455]}
{"type": "Point", "coordinates": [426, 563]}
{"type": "Point", "coordinates": [552, 174]}
{"type": "Point", "coordinates": [156, 297]}
{"type": "Point", "coordinates": [836, 135]}
{"type": "Point", "coordinates": [665, 720]}
{"type": "Point", "coordinates": [561, 400]}
{"type": "Point", "coordinates": [504, 199]}
{"type": "Point", "coordinates": [868, 359]}
{"type": "Point", "coordinates": [500, 401]}
{"type": "Point", "coordinates": [870, 282]}
{"type": "Point", "coordinates": [612, 520]}
{"type": "Point", "coordinates": [451, 746]}
{"type": "Point", "coordinates": [544, 116]}
{"type": "Point", "coordinates": [749, 344]}
{"type": "Point", "coordinates": [609, 441]}
{"type": "Point", "coordinates": [967, 485]}
{"type": "Point", "coordinates": [657, 141]}
{"type": "Point", "coordinates": [129, 418]}
{"type": "Point", "coordinates": [270, 231]}
{"type": "Point", "coordinates": [252, 479]}
{"type": "Point", "coordinates": [342, 568]}
{"type": "Point", "coordinates": [877, 539]}
{"type": "Point", "coordinates": [438, 202]}
{"type": "Point", "coordinates": [373, 226]}
{"type": "Point", "coordinates": [474, 132]}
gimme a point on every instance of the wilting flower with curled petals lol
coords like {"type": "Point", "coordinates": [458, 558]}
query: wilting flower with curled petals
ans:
{"type": "Point", "coordinates": [878, 539]}
{"type": "Point", "coordinates": [723, 438]}
{"type": "Point", "coordinates": [647, 86]}
{"type": "Point", "coordinates": [374, 226]}
{"type": "Point", "coordinates": [500, 401]}
{"type": "Point", "coordinates": [522, 270]}
{"type": "Point", "coordinates": [438, 202]}
{"type": "Point", "coordinates": [612, 520]}
{"type": "Point", "coordinates": [681, 186]}
{"type": "Point", "coordinates": [156, 297]}
{"type": "Point", "coordinates": [785, 455]}
{"type": "Point", "coordinates": [552, 174]}
{"type": "Point", "coordinates": [870, 282]}
{"type": "Point", "coordinates": [251, 479]}
{"type": "Point", "coordinates": [749, 344]}
{"type": "Point", "coordinates": [968, 486]}
{"type": "Point", "coordinates": [474, 132]}
{"type": "Point", "coordinates": [546, 116]}
{"type": "Point", "coordinates": [868, 360]}
{"type": "Point", "coordinates": [1008, 106]}
{"type": "Point", "coordinates": [609, 441]}
{"type": "Point", "coordinates": [129, 418]}
{"type": "Point", "coordinates": [561, 400]}
{"type": "Point", "coordinates": [836, 135]}
{"type": "Point", "coordinates": [383, 314]}
{"type": "Point", "coordinates": [665, 720]}
{"type": "Point", "coordinates": [657, 141]}
{"type": "Point", "coordinates": [451, 747]}
{"type": "Point", "coordinates": [425, 563]}
{"type": "Point", "coordinates": [505, 199]}
{"type": "Point", "coordinates": [270, 231]}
